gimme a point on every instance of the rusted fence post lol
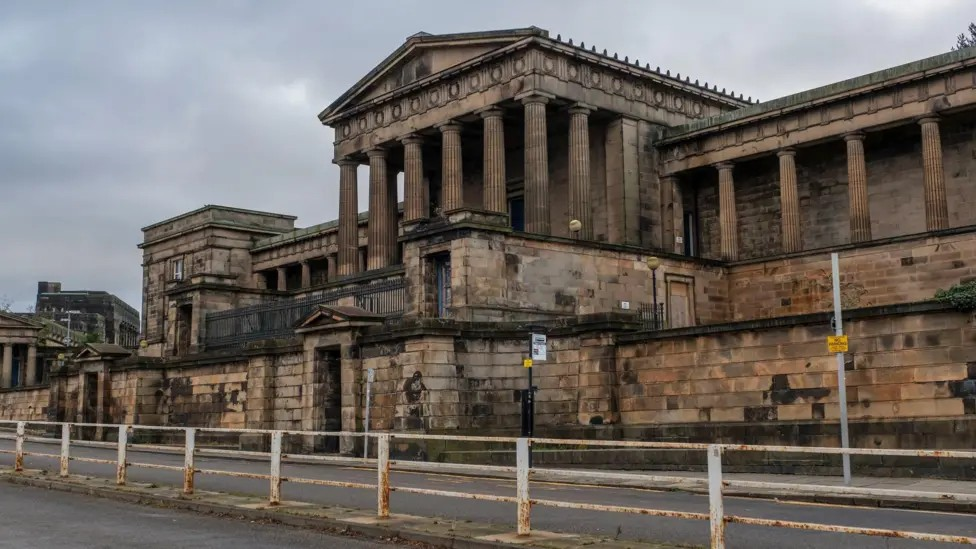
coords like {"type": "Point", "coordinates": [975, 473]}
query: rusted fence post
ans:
{"type": "Point", "coordinates": [522, 486]}
{"type": "Point", "coordinates": [19, 447]}
{"type": "Point", "coordinates": [275, 497]}
{"type": "Point", "coordinates": [121, 465]}
{"type": "Point", "coordinates": [383, 476]}
{"type": "Point", "coordinates": [716, 509]}
{"type": "Point", "coordinates": [65, 448]}
{"type": "Point", "coordinates": [188, 467]}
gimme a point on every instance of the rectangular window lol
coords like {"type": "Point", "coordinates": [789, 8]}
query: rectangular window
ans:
{"type": "Point", "coordinates": [442, 269]}
{"type": "Point", "coordinates": [177, 269]}
{"type": "Point", "coordinates": [516, 212]}
{"type": "Point", "coordinates": [691, 234]}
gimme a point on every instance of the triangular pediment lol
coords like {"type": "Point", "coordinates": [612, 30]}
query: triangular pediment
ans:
{"type": "Point", "coordinates": [103, 350]}
{"type": "Point", "coordinates": [8, 320]}
{"type": "Point", "coordinates": [330, 315]}
{"type": "Point", "coordinates": [421, 56]}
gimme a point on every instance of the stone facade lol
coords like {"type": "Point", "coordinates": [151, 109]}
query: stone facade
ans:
{"type": "Point", "coordinates": [672, 240]}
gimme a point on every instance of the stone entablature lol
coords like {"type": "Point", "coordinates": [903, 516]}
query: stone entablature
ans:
{"type": "Point", "coordinates": [531, 63]}
{"type": "Point", "coordinates": [899, 95]}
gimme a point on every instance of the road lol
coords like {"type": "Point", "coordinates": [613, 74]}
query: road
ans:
{"type": "Point", "coordinates": [626, 526]}
{"type": "Point", "coordinates": [42, 519]}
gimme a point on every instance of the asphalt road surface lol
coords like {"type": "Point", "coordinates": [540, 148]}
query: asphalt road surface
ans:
{"type": "Point", "coordinates": [626, 526]}
{"type": "Point", "coordinates": [42, 519]}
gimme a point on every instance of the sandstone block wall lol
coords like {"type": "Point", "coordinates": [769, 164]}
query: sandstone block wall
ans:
{"type": "Point", "coordinates": [901, 272]}
{"type": "Point", "coordinates": [905, 366]}
{"type": "Point", "coordinates": [196, 396]}
{"type": "Point", "coordinates": [24, 404]}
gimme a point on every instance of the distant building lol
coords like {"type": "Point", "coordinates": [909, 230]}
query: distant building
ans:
{"type": "Point", "coordinates": [96, 313]}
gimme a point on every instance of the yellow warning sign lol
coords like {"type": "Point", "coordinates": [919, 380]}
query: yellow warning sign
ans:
{"type": "Point", "coordinates": [527, 362]}
{"type": "Point", "coordinates": [837, 344]}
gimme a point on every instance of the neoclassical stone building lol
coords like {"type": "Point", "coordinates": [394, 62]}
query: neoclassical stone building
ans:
{"type": "Point", "coordinates": [538, 177]}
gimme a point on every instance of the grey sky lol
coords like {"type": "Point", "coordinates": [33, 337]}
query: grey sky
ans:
{"type": "Point", "coordinates": [115, 115]}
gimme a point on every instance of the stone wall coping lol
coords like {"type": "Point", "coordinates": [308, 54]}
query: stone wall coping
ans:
{"type": "Point", "coordinates": [28, 388]}
{"type": "Point", "coordinates": [854, 246]}
{"type": "Point", "coordinates": [786, 321]}
{"type": "Point", "coordinates": [364, 276]}
{"type": "Point", "coordinates": [207, 225]}
{"type": "Point", "coordinates": [831, 92]}
{"type": "Point", "coordinates": [213, 207]}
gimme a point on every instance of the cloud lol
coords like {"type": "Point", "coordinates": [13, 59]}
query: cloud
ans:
{"type": "Point", "coordinates": [119, 114]}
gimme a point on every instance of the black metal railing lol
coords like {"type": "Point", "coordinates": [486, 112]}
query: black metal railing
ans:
{"type": "Point", "coordinates": [652, 316]}
{"type": "Point", "coordinates": [237, 327]}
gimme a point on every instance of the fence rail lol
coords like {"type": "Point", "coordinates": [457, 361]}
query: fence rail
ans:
{"type": "Point", "coordinates": [716, 515]}
{"type": "Point", "coordinates": [237, 327]}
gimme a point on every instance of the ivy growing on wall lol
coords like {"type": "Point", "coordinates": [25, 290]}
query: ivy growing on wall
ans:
{"type": "Point", "coordinates": [961, 296]}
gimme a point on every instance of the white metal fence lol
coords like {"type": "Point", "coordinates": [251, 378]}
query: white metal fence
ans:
{"type": "Point", "coordinates": [716, 516]}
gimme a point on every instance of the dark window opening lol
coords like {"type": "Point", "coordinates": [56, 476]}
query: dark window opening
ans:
{"type": "Point", "coordinates": [516, 212]}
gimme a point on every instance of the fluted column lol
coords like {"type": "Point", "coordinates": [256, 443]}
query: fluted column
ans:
{"type": "Point", "coordinates": [414, 207]}
{"type": "Point", "coordinates": [495, 198]}
{"type": "Point", "coordinates": [282, 279]}
{"type": "Point", "coordinates": [348, 236]}
{"type": "Point", "coordinates": [377, 228]}
{"type": "Point", "coordinates": [933, 174]}
{"type": "Point", "coordinates": [672, 214]}
{"type": "Point", "coordinates": [451, 175]}
{"type": "Point", "coordinates": [536, 163]}
{"type": "Point", "coordinates": [6, 374]}
{"type": "Point", "coordinates": [306, 274]}
{"type": "Point", "coordinates": [579, 168]}
{"type": "Point", "coordinates": [857, 188]}
{"type": "Point", "coordinates": [789, 201]}
{"type": "Point", "coordinates": [30, 376]}
{"type": "Point", "coordinates": [728, 217]}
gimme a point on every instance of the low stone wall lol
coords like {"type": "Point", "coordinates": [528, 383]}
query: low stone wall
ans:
{"type": "Point", "coordinates": [27, 404]}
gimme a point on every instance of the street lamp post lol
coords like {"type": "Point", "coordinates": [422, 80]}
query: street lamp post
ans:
{"type": "Point", "coordinates": [653, 263]}
{"type": "Point", "coordinates": [68, 340]}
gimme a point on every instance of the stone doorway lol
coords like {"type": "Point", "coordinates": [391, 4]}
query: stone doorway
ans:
{"type": "Point", "coordinates": [184, 316]}
{"type": "Point", "coordinates": [328, 378]}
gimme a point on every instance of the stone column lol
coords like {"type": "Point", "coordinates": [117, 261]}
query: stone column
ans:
{"type": "Point", "coordinates": [306, 274]}
{"type": "Point", "coordinates": [536, 163]}
{"type": "Point", "coordinates": [857, 188]}
{"type": "Point", "coordinates": [260, 281]}
{"type": "Point", "coordinates": [282, 279]}
{"type": "Point", "coordinates": [377, 229]}
{"type": "Point", "coordinates": [672, 215]}
{"type": "Point", "coordinates": [936, 206]}
{"type": "Point", "coordinates": [414, 207]}
{"type": "Point", "coordinates": [727, 216]}
{"type": "Point", "coordinates": [348, 237]}
{"type": "Point", "coordinates": [451, 174]}
{"type": "Point", "coordinates": [6, 374]}
{"type": "Point", "coordinates": [31, 369]}
{"type": "Point", "coordinates": [789, 201]}
{"type": "Point", "coordinates": [579, 168]}
{"type": "Point", "coordinates": [393, 214]}
{"type": "Point", "coordinates": [330, 261]}
{"type": "Point", "coordinates": [495, 189]}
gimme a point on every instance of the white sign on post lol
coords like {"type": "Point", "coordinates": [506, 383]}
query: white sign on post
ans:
{"type": "Point", "coordinates": [370, 375]}
{"type": "Point", "coordinates": [538, 347]}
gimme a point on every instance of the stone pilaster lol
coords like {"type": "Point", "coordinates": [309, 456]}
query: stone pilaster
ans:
{"type": "Point", "coordinates": [331, 267]}
{"type": "Point", "coordinates": [30, 377]}
{"type": "Point", "coordinates": [377, 229]}
{"type": "Point", "coordinates": [495, 198]}
{"type": "Point", "coordinates": [282, 279]}
{"type": "Point", "coordinates": [348, 236]}
{"type": "Point", "coordinates": [6, 374]}
{"type": "Point", "coordinates": [672, 215]}
{"type": "Point", "coordinates": [306, 274]}
{"type": "Point", "coordinates": [536, 163]}
{"type": "Point", "coordinates": [451, 174]}
{"type": "Point", "coordinates": [857, 188]}
{"type": "Point", "coordinates": [933, 174]}
{"type": "Point", "coordinates": [728, 216]}
{"type": "Point", "coordinates": [789, 201]}
{"type": "Point", "coordinates": [414, 207]}
{"type": "Point", "coordinates": [579, 168]}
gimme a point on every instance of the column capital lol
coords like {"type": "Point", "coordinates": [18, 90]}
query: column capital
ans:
{"type": "Point", "coordinates": [345, 161]}
{"type": "Point", "coordinates": [376, 152]}
{"type": "Point", "coordinates": [411, 138]}
{"type": "Point", "coordinates": [449, 126]}
{"type": "Point", "coordinates": [854, 136]}
{"type": "Point", "coordinates": [724, 166]}
{"type": "Point", "coordinates": [786, 152]}
{"type": "Point", "coordinates": [928, 119]}
{"type": "Point", "coordinates": [491, 111]}
{"type": "Point", "coordinates": [581, 108]}
{"type": "Point", "coordinates": [534, 96]}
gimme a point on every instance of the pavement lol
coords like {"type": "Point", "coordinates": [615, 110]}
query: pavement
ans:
{"type": "Point", "coordinates": [44, 519]}
{"type": "Point", "coordinates": [591, 526]}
